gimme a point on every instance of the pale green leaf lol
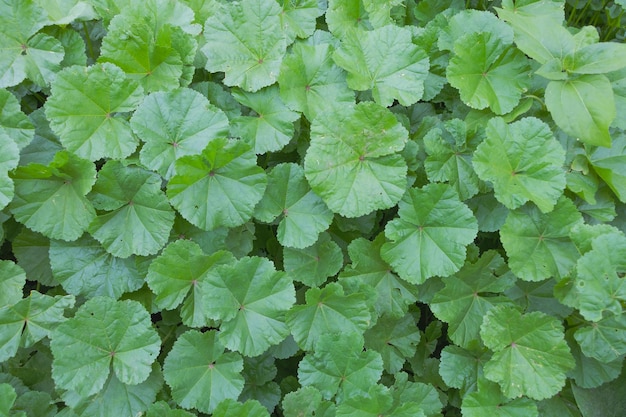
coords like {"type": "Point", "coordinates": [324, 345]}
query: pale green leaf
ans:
{"type": "Point", "coordinates": [393, 294]}
{"type": "Point", "coordinates": [530, 357]}
{"type": "Point", "coordinates": [314, 264]}
{"type": "Point", "coordinates": [250, 298]}
{"type": "Point", "coordinates": [138, 217]}
{"type": "Point", "coordinates": [28, 320]}
{"type": "Point", "coordinates": [200, 373]}
{"type": "Point", "coordinates": [328, 310]}
{"type": "Point", "coordinates": [469, 294]}
{"type": "Point", "coordinates": [538, 244]}
{"type": "Point", "coordinates": [174, 124]}
{"type": "Point", "coordinates": [309, 79]}
{"type": "Point", "coordinates": [340, 367]}
{"type": "Point", "coordinates": [604, 340]}
{"type": "Point", "coordinates": [232, 408]}
{"type": "Point", "coordinates": [105, 335]}
{"type": "Point", "coordinates": [610, 165]}
{"type": "Point", "coordinates": [220, 187]}
{"type": "Point", "coordinates": [584, 107]}
{"type": "Point", "coordinates": [251, 60]}
{"type": "Point", "coordinates": [395, 340]}
{"type": "Point", "coordinates": [386, 61]}
{"type": "Point", "coordinates": [12, 280]}
{"type": "Point", "coordinates": [488, 72]}
{"type": "Point", "coordinates": [88, 109]}
{"type": "Point", "coordinates": [489, 401]}
{"type": "Point", "coordinates": [303, 215]}
{"type": "Point", "coordinates": [344, 16]}
{"type": "Point", "coordinates": [524, 162]}
{"type": "Point", "coordinates": [430, 235]}
{"type": "Point", "coordinates": [462, 368]}
{"type": "Point", "coordinates": [353, 161]}
{"type": "Point", "coordinates": [13, 121]}
{"type": "Point", "coordinates": [83, 267]}
{"type": "Point", "coordinates": [299, 17]}
{"type": "Point", "coordinates": [51, 199]}
{"type": "Point", "coordinates": [271, 126]}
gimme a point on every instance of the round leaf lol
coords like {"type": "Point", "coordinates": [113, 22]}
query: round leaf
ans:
{"type": "Point", "coordinates": [531, 356]}
{"type": "Point", "coordinates": [250, 298]}
{"type": "Point", "coordinates": [104, 333]}
{"type": "Point", "coordinates": [220, 187]}
{"type": "Point", "coordinates": [314, 264]}
{"type": "Point", "coordinates": [200, 373]}
{"type": "Point", "coordinates": [431, 234]}
{"type": "Point", "coordinates": [87, 109]}
{"type": "Point", "coordinates": [174, 124]}
{"type": "Point", "coordinates": [138, 217]}
{"type": "Point", "coordinates": [250, 61]}
{"type": "Point", "coordinates": [353, 161]}
{"type": "Point", "coordinates": [303, 213]}
{"type": "Point", "coordinates": [51, 199]}
{"type": "Point", "coordinates": [523, 161]}
{"type": "Point", "coordinates": [386, 61]}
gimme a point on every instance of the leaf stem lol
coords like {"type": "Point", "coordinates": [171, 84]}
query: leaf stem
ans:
{"type": "Point", "coordinates": [88, 40]}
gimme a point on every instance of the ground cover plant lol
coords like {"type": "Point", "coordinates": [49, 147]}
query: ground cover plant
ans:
{"type": "Point", "coordinates": [312, 208]}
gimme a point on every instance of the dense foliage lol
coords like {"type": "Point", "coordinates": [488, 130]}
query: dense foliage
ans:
{"type": "Point", "coordinates": [312, 208]}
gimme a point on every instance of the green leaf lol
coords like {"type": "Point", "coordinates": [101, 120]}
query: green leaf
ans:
{"type": "Point", "coordinates": [599, 284]}
{"type": "Point", "coordinates": [597, 58]}
{"type": "Point", "coordinates": [430, 235]}
{"type": "Point", "coordinates": [251, 61]}
{"type": "Point", "coordinates": [524, 162]}
{"type": "Point", "coordinates": [14, 122]}
{"type": "Point", "coordinates": [462, 368]}
{"type": "Point", "coordinates": [590, 372]}
{"type": "Point", "coordinates": [377, 401]}
{"type": "Point", "coordinates": [426, 396]}
{"type": "Point", "coordinates": [303, 214]}
{"type": "Point", "coordinates": [488, 400]}
{"type": "Point", "coordinates": [344, 16]}
{"type": "Point", "coordinates": [584, 107]}
{"type": "Point", "coordinates": [25, 53]}
{"type": "Point", "coordinates": [200, 373]}
{"type": "Point", "coordinates": [353, 161]}
{"type": "Point", "coordinates": [29, 320]}
{"type": "Point", "coordinates": [105, 335]}
{"type": "Point", "coordinates": [138, 217]}
{"type": "Point", "coordinates": [450, 148]}
{"type": "Point", "coordinates": [299, 17]}
{"type": "Point", "coordinates": [538, 28]}
{"type": "Point", "coordinates": [83, 267]}
{"type": "Point", "coordinates": [538, 244]}
{"type": "Point", "coordinates": [117, 398]}
{"type": "Point", "coordinates": [174, 124]}
{"type": "Point", "coordinates": [272, 127]}
{"type": "Point", "coordinates": [179, 274]}
{"type": "Point", "coordinates": [368, 268]}
{"type": "Point", "coordinates": [472, 21]}
{"type": "Point", "coordinates": [309, 79]}
{"type": "Point", "coordinates": [162, 409]}
{"type": "Point", "coordinates": [604, 340]}
{"type": "Point", "coordinates": [530, 356]}
{"type": "Point", "coordinates": [153, 42]}
{"type": "Point", "coordinates": [87, 110]}
{"type": "Point", "coordinates": [12, 280]}
{"type": "Point", "coordinates": [220, 187]}
{"type": "Point", "coordinates": [328, 310]}
{"type": "Point", "coordinates": [232, 408]}
{"type": "Point", "coordinates": [307, 402]}
{"type": "Point", "coordinates": [538, 296]}
{"type": "Point", "coordinates": [488, 72]}
{"type": "Point", "coordinates": [395, 340]}
{"type": "Point", "coordinates": [386, 61]}
{"type": "Point", "coordinates": [51, 199]}
{"type": "Point", "coordinates": [250, 298]}
{"type": "Point", "coordinates": [7, 398]}
{"type": "Point", "coordinates": [605, 400]}
{"type": "Point", "coordinates": [314, 264]}
{"type": "Point", "coordinates": [469, 294]}
{"type": "Point", "coordinates": [339, 366]}
{"type": "Point", "coordinates": [31, 250]}
{"type": "Point", "coordinates": [608, 163]}
{"type": "Point", "coordinates": [63, 12]}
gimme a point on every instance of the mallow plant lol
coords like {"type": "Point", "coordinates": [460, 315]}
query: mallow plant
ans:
{"type": "Point", "coordinates": [297, 208]}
